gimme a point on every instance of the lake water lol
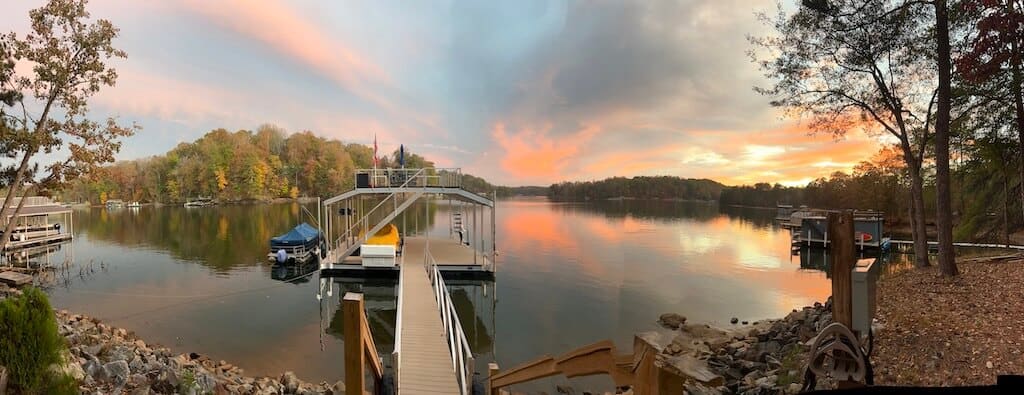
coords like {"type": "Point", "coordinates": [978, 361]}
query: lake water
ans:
{"type": "Point", "coordinates": [198, 280]}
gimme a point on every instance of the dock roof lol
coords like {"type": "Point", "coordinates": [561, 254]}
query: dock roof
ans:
{"type": "Point", "coordinates": [31, 211]}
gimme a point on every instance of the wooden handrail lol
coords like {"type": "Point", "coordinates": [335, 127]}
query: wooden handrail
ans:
{"type": "Point", "coordinates": [637, 369]}
{"type": "Point", "coordinates": [359, 346]}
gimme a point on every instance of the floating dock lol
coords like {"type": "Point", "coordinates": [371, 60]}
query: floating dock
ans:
{"type": "Point", "coordinates": [431, 353]}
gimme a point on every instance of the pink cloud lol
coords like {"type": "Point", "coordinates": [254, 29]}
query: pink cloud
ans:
{"type": "Point", "coordinates": [278, 26]}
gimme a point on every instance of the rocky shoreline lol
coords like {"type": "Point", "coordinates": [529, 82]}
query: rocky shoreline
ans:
{"type": "Point", "coordinates": [107, 360]}
{"type": "Point", "coordinates": [766, 357]}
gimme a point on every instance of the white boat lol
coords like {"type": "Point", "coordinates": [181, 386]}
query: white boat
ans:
{"type": "Point", "coordinates": [134, 205]}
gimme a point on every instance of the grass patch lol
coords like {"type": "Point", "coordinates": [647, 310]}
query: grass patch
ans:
{"type": "Point", "coordinates": [792, 367]}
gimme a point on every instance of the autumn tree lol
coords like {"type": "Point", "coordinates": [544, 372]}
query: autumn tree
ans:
{"type": "Point", "coordinates": [67, 54]}
{"type": "Point", "coordinates": [995, 55]}
{"type": "Point", "coordinates": [848, 64]}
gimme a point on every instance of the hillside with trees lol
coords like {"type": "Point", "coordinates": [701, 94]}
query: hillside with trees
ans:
{"type": "Point", "coordinates": [239, 166]}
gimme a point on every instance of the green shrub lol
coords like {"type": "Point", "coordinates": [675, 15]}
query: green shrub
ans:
{"type": "Point", "coordinates": [30, 342]}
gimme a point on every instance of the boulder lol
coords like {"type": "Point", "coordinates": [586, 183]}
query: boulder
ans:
{"type": "Point", "coordinates": [94, 369]}
{"type": "Point", "coordinates": [117, 371]}
{"type": "Point", "coordinates": [205, 382]}
{"type": "Point", "coordinates": [671, 320]}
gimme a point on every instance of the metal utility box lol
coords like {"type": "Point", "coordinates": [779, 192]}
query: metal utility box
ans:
{"type": "Point", "coordinates": [375, 255]}
{"type": "Point", "coordinates": [864, 277]}
{"type": "Point", "coordinates": [362, 180]}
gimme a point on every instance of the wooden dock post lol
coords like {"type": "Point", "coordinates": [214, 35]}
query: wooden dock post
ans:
{"type": "Point", "coordinates": [840, 231]}
{"type": "Point", "coordinates": [352, 313]}
{"type": "Point", "coordinates": [492, 370]}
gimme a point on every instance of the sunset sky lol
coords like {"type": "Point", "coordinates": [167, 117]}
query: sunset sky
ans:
{"type": "Point", "coordinates": [519, 92]}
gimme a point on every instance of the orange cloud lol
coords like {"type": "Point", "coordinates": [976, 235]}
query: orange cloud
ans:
{"type": "Point", "coordinates": [532, 154]}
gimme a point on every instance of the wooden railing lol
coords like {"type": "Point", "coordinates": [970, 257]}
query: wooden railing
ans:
{"type": "Point", "coordinates": [637, 370]}
{"type": "Point", "coordinates": [359, 347]}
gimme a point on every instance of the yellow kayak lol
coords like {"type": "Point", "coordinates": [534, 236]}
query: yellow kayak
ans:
{"type": "Point", "coordinates": [388, 235]}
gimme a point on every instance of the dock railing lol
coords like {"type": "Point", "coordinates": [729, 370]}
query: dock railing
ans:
{"type": "Point", "coordinates": [360, 349]}
{"type": "Point", "coordinates": [396, 355]}
{"type": "Point", "coordinates": [385, 208]}
{"type": "Point", "coordinates": [422, 177]}
{"type": "Point", "coordinates": [458, 346]}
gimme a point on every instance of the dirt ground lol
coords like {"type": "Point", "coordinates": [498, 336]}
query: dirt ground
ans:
{"type": "Point", "coordinates": [964, 330]}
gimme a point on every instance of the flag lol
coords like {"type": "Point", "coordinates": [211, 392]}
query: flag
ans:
{"type": "Point", "coordinates": [374, 150]}
{"type": "Point", "coordinates": [401, 155]}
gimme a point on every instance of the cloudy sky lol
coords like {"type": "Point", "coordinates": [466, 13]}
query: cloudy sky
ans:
{"type": "Point", "coordinates": [520, 92]}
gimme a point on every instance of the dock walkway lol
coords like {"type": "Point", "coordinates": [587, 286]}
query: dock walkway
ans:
{"type": "Point", "coordinates": [425, 364]}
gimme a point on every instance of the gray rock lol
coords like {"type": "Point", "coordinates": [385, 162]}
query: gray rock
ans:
{"type": "Point", "coordinates": [205, 382]}
{"type": "Point", "coordinates": [565, 389]}
{"type": "Point", "coordinates": [92, 350]}
{"type": "Point", "coordinates": [734, 320]}
{"type": "Point", "coordinates": [671, 320]}
{"type": "Point", "coordinates": [767, 382]}
{"type": "Point", "coordinates": [117, 371]}
{"type": "Point", "coordinates": [137, 380]}
{"type": "Point", "coordinates": [137, 365]}
{"type": "Point", "coordinates": [94, 369]}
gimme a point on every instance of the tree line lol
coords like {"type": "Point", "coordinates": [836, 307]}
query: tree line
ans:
{"type": "Point", "coordinates": [658, 187]}
{"type": "Point", "coordinates": [243, 165]}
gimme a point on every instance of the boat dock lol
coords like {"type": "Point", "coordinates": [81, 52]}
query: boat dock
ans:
{"type": "Point", "coordinates": [423, 358]}
{"type": "Point", "coordinates": [32, 226]}
{"type": "Point", "coordinates": [431, 353]}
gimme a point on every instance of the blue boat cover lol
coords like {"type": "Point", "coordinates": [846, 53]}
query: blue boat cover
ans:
{"type": "Point", "coordinates": [299, 235]}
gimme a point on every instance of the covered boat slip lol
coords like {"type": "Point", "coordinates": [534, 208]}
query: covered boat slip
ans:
{"type": "Point", "coordinates": [383, 197]}
{"type": "Point", "coordinates": [34, 224]}
{"type": "Point", "coordinates": [868, 230]}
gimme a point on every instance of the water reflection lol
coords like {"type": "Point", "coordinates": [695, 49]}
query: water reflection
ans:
{"type": "Point", "coordinates": [570, 274]}
{"type": "Point", "coordinates": [294, 273]}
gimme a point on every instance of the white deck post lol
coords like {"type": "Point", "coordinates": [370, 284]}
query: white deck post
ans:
{"type": "Point", "coordinates": [494, 228]}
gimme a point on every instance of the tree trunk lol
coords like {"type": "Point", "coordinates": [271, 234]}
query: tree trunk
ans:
{"type": "Point", "coordinates": [943, 203]}
{"type": "Point", "coordinates": [15, 186]}
{"type": "Point", "coordinates": [918, 229]}
{"type": "Point", "coordinates": [1006, 209]}
{"type": "Point", "coordinates": [1018, 102]}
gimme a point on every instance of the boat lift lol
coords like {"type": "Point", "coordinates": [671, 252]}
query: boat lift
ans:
{"type": "Point", "coordinates": [381, 196]}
